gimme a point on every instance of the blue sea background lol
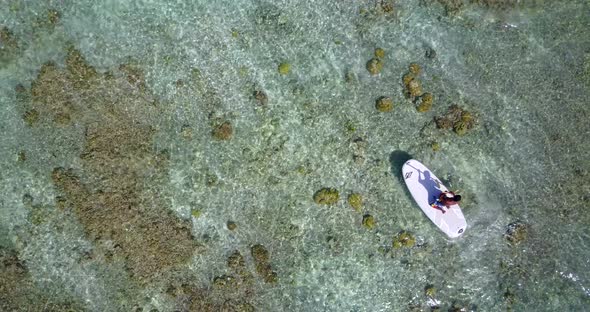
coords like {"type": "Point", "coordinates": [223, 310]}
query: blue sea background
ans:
{"type": "Point", "coordinates": [521, 67]}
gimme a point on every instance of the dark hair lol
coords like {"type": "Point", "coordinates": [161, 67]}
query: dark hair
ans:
{"type": "Point", "coordinates": [457, 198]}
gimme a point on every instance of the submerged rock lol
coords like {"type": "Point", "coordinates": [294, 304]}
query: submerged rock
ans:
{"type": "Point", "coordinates": [231, 225]}
{"type": "Point", "coordinates": [430, 291]}
{"type": "Point", "coordinates": [414, 88]}
{"type": "Point", "coordinates": [414, 68]}
{"type": "Point", "coordinates": [384, 104]}
{"type": "Point", "coordinates": [379, 53]}
{"type": "Point", "coordinates": [404, 239]}
{"type": "Point", "coordinates": [516, 232]}
{"type": "Point", "coordinates": [355, 200]}
{"type": "Point", "coordinates": [430, 53]}
{"type": "Point", "coordinates": [374, 66]}
{"type": "Point", "coordinates": [411, 82]}
{"type": "Point", "coordinates": [223, 132]}
{"type": "Point", "coordinates": [118, 203]}
{"type": "Point", "coordinates": [425, 102]}
{"type": "Point", "coordinates": [259, 253]}
{"type": "Point", "coordinates": [368, 221]}
{"type": "Point", "coordinates": [31, 117]}
{"type": "Point", "coordinates": [284, 68]}
{"type": "Point", "coordinates": [7, 39]}
{"type": "Point", "coordinates": [326, 196]}
{"type": "Point", "coordinates": [236, 260]}
{"type": "Point", "coordinates": [456, 118]}
{"type": "Point", "coordinates": [263, 268]}
{"type": "Point", "coordinates": [261, 97]}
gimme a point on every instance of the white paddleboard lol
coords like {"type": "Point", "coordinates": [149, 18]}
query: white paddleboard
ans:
{"type": "Point", "coordinates": [426, 188]}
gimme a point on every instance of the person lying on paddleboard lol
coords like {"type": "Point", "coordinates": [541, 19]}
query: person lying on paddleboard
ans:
{"type": "Point", "coordinates": [446, 200]}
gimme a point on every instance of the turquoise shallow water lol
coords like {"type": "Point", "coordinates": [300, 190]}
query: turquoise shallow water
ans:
{"type": "Point", "coordinates": [121, 186]}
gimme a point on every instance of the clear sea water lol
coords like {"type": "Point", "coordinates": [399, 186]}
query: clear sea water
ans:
{"type": "Point", "coordinates": [522, 68]}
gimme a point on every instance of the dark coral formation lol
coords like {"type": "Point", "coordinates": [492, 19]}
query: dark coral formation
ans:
{"type": "Point", "coordinates": [326, 196]}
{"type": "Point", "coordinates": [516, 232]}
{"type": "Point", "coordinates": [18, 291]}
{"type": "Point", "coordinates": [425, 102]}
{"type": "Point", "coordinates": [261, 97]}
{"type": "Point", "coordinates": [374, 66]}
{"type": "Point", "coordinates": [227, 294]}
{"type": "Point", "coordinates": [231, 225]}
{"type": "Point", "coordinates": [53, 16]}
{"type": "Point", "coordinates": [51, 95]}
{"type": "Point", "coordinates": [31, 117]}
{"type": "Point", "coordinates": [135, 75]}
{"type": "Point", "coordinates": [456, 118]}
{"type": "Point", "coordinates": [222, 131]}
{"type": "Point", "coordinates": [7, 38]}
{"type": "Point", "coordinates": [232, 291]}
{"type": "Point", "coordinates": [384, 104]}
{"type": "Point", "coordinates": [368, 221]}
{"type": "Point", "coordinates": [498, 4]}
{"type": "Point", "coordinates": [9, 45]}
{"type": "Point", "coordinates": [355, 200]}
{"type": "Point", "coordinates": [454, 7]}
{"type": "Point", "coordinates": [262, 262]}
{"type": "Point", "coordinates": [404, 239]}
{"type": "Point", "coordinates": [236, 261]}
{"type": "Point", "coordinates": [79, 72]}
{"type": "Point", "coordinates": [115, 194]}
{"type": "Point", "coordinates": [284, 68]}
{"type": "Point", "coordinates": [411, 82]}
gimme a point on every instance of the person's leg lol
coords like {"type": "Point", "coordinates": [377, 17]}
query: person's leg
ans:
{"type": "Point", "coordinates": [438, 206]}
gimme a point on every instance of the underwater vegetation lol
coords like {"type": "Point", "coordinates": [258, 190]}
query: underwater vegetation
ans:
{"type": "Point", "coordinates": [413, 89]}
{"type": "Point", "coordinates": [368, 221]}
{"type": "Point", "coordinates": [456, 118]}
{"type": "Point", "coordinates": [115, 194]}
{"type": "Point", "coordinates": [124, 219]}
{"type": "Point", "coordinates": [18, 291]}
{"type": "Point", "coordinates": [326, 196]}
{"type": "Point", "coordinates": [355, 200]}
{"type": "Point", "coordinates": [384, 104]}
{"type": "Point", "coordinates": [455, 7]}
{"type": "Point", "coordinates": [375, 65]}
{"type": "Point", "coordinates": [227, 292]}
{"type": "Point", "coordinates": [425, 102]}
{"type": "Point", "coordinates": [404, 239]}
{"type": "Point", "coordinates": [223, 131]}
{"type": "Point", "coordinates": [284, 68]}
{"type": "Point", "coordinates": [262, 261]}
{"type": "Point", "coordinates": [516, 232]}
{"type": "Point", "coordinates": [261, 97]}
{"type": "Point", "coordinates": [411, 82]}
{"type": "Point", "coordinates": [9, 46]}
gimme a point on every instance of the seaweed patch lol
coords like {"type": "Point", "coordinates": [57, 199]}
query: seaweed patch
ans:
{"type": "Point", "coordinates": [115, 194]}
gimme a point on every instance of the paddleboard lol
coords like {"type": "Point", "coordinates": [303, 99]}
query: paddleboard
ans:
{"type": "Point", "coordinates": [425, 187]}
